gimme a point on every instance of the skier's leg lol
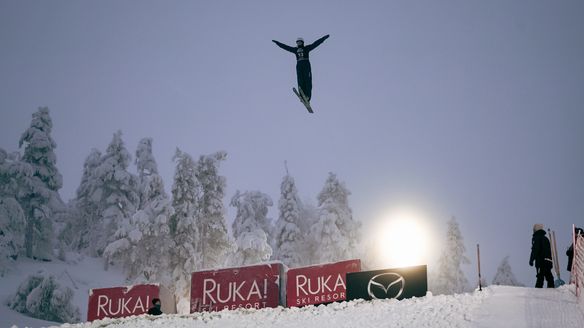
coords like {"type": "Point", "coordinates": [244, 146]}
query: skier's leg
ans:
{"type": "Point", "coordinates": [299, 78]}
{"type": "Point", "coordinates": [539, 278]}
{"type": "Point", "coordinates": [302, 72]}
{"type": "Point", "coordinates": [549, 277]}
{"type": "Point", "coordinates": [308, 90]}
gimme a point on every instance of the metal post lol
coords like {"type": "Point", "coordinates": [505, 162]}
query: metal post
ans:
{"type": "Point", "coordinates": [479, 265]}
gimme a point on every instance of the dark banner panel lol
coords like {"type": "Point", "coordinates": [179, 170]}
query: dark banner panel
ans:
{"type": "Point", "coordinates": [398, 283]}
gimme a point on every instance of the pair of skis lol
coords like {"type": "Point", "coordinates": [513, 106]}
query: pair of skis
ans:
{"type": "Point", "coordinates": [559, 282]}
{"type": "Point", "coordinates": [303, 99]}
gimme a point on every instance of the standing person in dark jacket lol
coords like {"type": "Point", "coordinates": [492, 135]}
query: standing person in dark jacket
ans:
{"type": "Point", "coordinates": [541, 253]}
{"type": "Point", "coordinates": [570, 252]}
{"type": "Point", "coordinates": [155, 310]}
{"type": "Point", "coordinates": [303, 69]}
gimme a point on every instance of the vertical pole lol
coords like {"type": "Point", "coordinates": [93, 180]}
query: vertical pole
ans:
{"type": "Point", "coordinates": [557, 261]}
{"type": "Point", "coordinates": [479, 265]}
{"type": "Point", "coordinates": [552, 244]}
{"type": "Point", "coordinates": [572, 275]}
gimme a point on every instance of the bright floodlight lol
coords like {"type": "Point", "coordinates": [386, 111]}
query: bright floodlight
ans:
{"type": "Point", "coordinates": [403, 240]}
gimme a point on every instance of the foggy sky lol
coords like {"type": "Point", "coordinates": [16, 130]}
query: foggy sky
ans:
{"type": "Point", "coordinates": [471, 109]}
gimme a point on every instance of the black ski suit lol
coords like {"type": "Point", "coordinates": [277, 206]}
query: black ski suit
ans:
{"type": "Point", "coordinates": [303, 69]}
{"type": "Point", "coordinates": [155, 310]}
{"type": "Point", "coordinates": [541, 253]}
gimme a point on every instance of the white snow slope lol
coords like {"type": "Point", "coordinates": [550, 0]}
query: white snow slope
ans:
{"type": "Point", "coordinates": [495, 306]}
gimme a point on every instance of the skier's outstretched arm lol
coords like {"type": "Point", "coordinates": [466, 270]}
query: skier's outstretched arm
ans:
{"type": "Point", "coordinates": [285, 47]}
{"type": "Point", "coordinates": [317, 42]}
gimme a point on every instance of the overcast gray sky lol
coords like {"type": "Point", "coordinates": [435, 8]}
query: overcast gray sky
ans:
{"type": "Point", "coordinates": [464, 108]}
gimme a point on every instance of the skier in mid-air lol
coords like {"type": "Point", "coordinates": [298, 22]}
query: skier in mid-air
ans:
{"type": "Point", "coordinates": [303, 69]}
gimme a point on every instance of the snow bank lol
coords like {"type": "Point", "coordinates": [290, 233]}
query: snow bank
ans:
{"type": "Point", "coordinates": [430, 311]}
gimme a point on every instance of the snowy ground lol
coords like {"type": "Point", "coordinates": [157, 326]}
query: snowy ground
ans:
{"type": "Point", "coordinates": [495, 306]}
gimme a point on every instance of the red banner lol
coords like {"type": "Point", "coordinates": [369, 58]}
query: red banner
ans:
{"type": "Point", "coordinates": [319, 284]}
{"type": "Point", "coordinates": [248, 287]}
{"type": "Point", "coordinates": [120, 302]}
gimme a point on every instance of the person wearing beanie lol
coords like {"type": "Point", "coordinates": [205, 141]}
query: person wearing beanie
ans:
{"type": "Point", "coordinates": [155, 310]}
{"type": "Point", "coordinates": [541, 254]}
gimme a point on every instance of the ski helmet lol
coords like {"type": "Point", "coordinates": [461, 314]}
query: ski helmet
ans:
{"type": "Point", "coordinates": [299, 39]}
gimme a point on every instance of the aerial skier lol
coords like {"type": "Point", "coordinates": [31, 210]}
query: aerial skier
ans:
{"type": "Point", "coordinates": [303, 69]}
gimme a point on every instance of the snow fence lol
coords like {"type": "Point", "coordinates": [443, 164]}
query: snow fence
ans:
{"type": "Point", "coordinates": [578, 269]}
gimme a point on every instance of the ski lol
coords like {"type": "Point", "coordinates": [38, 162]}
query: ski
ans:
{"type": "Point", "coordinates": [303, 100]}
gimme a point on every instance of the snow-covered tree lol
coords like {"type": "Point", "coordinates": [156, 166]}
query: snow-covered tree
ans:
{"type": "Point", "coordinates": [12, 218]}
{"type": "Point", "coordinates": [146, 241]}
{"type": "Point", "coordinates": [12, 224]}
{"type": "Point", "coordinates": [248, 227]}
{"type": "Point", "coordinates": [504, 275]}
{"type": "Point", "coordinates": [147, 167]}
{"type": "Point", "coordinates": [41, 296]}
{"type": "Point", "coordinates": [40, 149]}
{"type": "Point", "coordinates": [215, 242]}
{"type": "Point", "coordinates": [82, 228]}
{"type": "Point", "coordinates": [40, 198]}
{"type": "Point", "coordinates": [450, 279]}
{"type": "Point", "coordinates": [335, 235]}
{"type": "Point", "coordinates": [186, 255]}
{"type": "Point", "coordinates": [116, 195]}
{"type": "Point", "coordinates": [289, 240]}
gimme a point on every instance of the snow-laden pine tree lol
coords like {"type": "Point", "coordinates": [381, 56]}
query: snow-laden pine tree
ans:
{"type": "Point", "coordinates": [147, 167]}
{"type": "Point", "coordinates": [335, 235]}
{"type": "Point", "coordinates": [84, 216]}
{"type": "Point", "coordinates": [41, 296]}
{"type": "Point", "coordinates": [450, 279]}
{"type": "Point", "coordinates": [12, 218]}
{"type": "Point", "coordinates": [215, 242]}
{"type": "Point", "coordinates": [248, 227]}
{"type": "Point", "coordinates": [41, 198]}
{"type": "Point", "coordinates": [504, 275]}
{"type": "Point", "coordinates": [186, 254]}
{"type": "Point", "coordinates": [289, 240]}
{"type": "Point", "coordinates": [145, 243]}
{"type": "Point", "coordinates": [116, 195]}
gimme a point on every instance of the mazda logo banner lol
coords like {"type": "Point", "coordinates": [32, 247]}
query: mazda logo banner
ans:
{"type": "Point", "coordinates": [398, 283]}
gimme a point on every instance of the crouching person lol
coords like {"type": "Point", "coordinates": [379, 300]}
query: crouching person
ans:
{"type": "Point", "coordinates": [155, 310]}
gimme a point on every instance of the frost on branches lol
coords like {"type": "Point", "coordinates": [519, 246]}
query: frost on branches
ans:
{"type": "Point", "coordinates": [12, 218]}
{"type": "Point", "coordinates": [84, 222]}
{"type": "Point", "coordinates": [212, 227]}
{"type": "Point", "coordinates": [289, 243]}
{"type": "Point", "coordinates": [334, 237]}
{"type": "Point", "coordinates": [38, 194]}
{"type": "Point", "coordinates": [143, 243]}
{"type": "Point", "coordinates": [186, 254]}
{"type": "Point", "coordinates": [249, 227]}
{"type": "Point", "coordinates": [41, 296]}
{"type": "Point", "coordinates": [115, 195]}
{"type": "Point", "coordinates": [504, 275]}
{"type": "Point", "coordinates": [450, 278]}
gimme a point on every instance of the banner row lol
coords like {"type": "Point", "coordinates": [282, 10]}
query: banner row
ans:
{"type": "Point", "coordinates": [258, 286]}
